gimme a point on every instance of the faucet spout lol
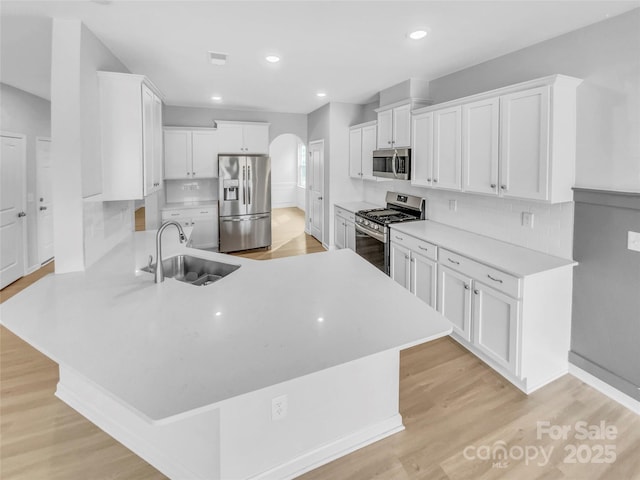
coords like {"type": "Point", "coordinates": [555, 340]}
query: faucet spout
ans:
{"type": "Point", "coordinates": [159, 273]}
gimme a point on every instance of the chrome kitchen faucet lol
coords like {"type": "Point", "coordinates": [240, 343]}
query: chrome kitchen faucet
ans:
{"type": "Point", "coordinates": [159, 274]}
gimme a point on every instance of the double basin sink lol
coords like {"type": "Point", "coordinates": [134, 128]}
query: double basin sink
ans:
{"type": "Point", "coordinates": [193, 270]}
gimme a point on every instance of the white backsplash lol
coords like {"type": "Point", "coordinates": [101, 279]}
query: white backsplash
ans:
{"type": "Point", "coordinates": [105, 225]}
{"type": "Point", "coordinates": [552, 230]}
{"type": "Point", "coordinates": [201, 190]}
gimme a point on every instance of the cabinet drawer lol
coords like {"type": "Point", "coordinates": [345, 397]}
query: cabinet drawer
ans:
{"type": "Point", "coordinates": [482, 273]}
{"type": "Point", "coordinates": [203, 212]}
{"type": "Point", "coordinates": [418, 246]}
{"type": "Point", "coordinates": [175, 214]}
{"type": "Point", "coordinates": [341, 212]}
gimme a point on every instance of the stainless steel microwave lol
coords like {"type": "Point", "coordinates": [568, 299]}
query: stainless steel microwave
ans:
{"type": "Point", "coordinates": [392, 163]}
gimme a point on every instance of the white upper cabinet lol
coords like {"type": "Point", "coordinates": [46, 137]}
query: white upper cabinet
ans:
{"type": "Point", "coordinates": [385, 129]}
{"type": "Point", "coordinates": [131, 136]}
{"type": "Point", "coordinates": [190, 153]}
{"type": "Point", "coordinates": [422, 150]}
{"type": "Point", "coordinates": [402, 126]}
{"type": "Point", "coordinates": [243, 137]}
{"type": "Point", "coordinates": [480, 146]}
{"type": "Point", "coordinates": [524, 146]}
{"type": "Point", "coordinates": [362, 143]}
{"type": "Point", "coordinates": [447, 157]}
{"type": "Point", "coordinates": [517, 141]}
{"type": "Point", "coordinates": [394, 124]}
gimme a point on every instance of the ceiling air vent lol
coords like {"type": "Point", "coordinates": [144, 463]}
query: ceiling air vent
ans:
{"type": "Point", "coordinates": [218, 58]}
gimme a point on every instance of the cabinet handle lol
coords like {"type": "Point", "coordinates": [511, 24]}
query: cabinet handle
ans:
{"type": "Point", "coordinates": [389, 142]}
{"type": "Point", "coordinates": [193, 173]}
{"type": "Point", "coordinates": [476, 291]}
{"type": "Point", "coordinates": [453, 261]}
{"type": "Point", "coordinates": [493, 185]}
{"type": "Point", "coordinates": [413, 260]}
{"type": "Point", "coordinates": [423, 248]}
{"type": "Point", "coordinates": [406, 257]}
{"type": "Point", "coordinates": [399, 238]}
{"type": "Point", "coordinates": [503, 187]}
{"type": "Point", "coordinates": [428, 179]}
{"type": "Point", "coordinates": [466, 286]}
{"type": "Point", "coordinates": [175, 214]}
{"type": "Point", "coordinates": [494, 279]}
{"type": "Point", "coordinates": [435, 180]}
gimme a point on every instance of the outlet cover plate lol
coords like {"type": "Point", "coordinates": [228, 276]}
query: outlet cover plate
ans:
{"type": "Point", "coordinates": [279, 407]}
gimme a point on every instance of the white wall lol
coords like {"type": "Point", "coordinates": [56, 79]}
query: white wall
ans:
{"type": "Point", "coordinates": [284, 170]}
{"type": "Point", "coordinates": [22, 112]}
{"type": "Point", "coordinates": [83, 230]}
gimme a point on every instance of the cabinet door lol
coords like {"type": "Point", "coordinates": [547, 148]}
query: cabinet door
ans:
{"type": "Point", "coordinates": [480, 146]}
{"type": "Point", "coordinates": [368, 146]}
{"type": "Point", "coordinates": [355, 153]}
{"type": "Point", "coordinates": [204, 154]}
{"type": "Point", "coordinates": [402, 126]}
{"type": "Point", "coordinates": [350, 235]}
{"type": "Point", "coordinates": [340, 232]}
{"type": "Point", "coordinates": [230, 138]}
{"type": "Point", "coordinates": [255, 138]}
{"type": "Point", "coordinates": [147, 139]}
{"type": "Point", "coordinates": [422, 149]}
{"type": "Point", "coordinates": [424, 279]}
{"type": "Point", "coordinates": [524, 145]}
{"type": "Point", "coordinates": [177, 153]}
{"type": "Point", "coordinates": [454, 300]}
{"type": "Point", "coordinates": [157, 143]}
{"type": "Point", "coordinates": [447, 139]}
{"type": "Point", "coordinates": [400, 271]}
{"type": "Point", "coordinates": [495, 325]}
{"type": "Point", "coordinates": [385, 129]}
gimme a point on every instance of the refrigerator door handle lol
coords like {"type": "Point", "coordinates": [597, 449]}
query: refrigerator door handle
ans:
{"type": "Point", "coordinates": [249, 184]}
{"type": "Point", "coordinates": [244, 185]}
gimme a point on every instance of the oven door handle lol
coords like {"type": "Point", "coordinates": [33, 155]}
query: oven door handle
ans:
{"type": "Point", "coordinates": [377, 235]}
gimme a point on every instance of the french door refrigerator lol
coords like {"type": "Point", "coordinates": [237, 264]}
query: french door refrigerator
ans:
{"type": "Point", "coordinates": [244, 204]}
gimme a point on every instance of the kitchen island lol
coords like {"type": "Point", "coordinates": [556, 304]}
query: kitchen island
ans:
{"type": "Point", "coordinates": [274, 370]}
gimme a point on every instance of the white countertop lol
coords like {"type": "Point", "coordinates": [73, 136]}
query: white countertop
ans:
{"type": "Point", "coordinates": [167, 350]}
{"type": "Point", "coordinates": [509, 258]}
{"type": "Point", "coordinates": [353, 207]}
{"type": "Point", "coordinates": [180, 205]}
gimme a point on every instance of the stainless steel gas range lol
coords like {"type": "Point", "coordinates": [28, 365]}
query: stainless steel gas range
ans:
{"type": "Point", "coordinates": [372, 226]}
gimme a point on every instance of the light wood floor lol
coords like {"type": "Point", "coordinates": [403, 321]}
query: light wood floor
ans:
{"type": "Point", "coordinates": [449, 400]}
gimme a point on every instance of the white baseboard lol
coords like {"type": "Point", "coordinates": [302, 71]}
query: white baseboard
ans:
{"type": "Point", "coordinates": [606, 389]}
{"type": "Point", "coordinates": [334, 450]}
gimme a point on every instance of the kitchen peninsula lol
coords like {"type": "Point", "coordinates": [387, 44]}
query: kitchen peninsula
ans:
{"type": "Point", "coordinates": [258, 375]}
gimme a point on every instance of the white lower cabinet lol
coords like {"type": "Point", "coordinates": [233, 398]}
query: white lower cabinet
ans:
{"type": "Point", "coordinates": [454, 300]}
{"type": "Point", "coordinates": [495, 325]}
{"type": "Point", "coordinates": [345, 229]}
{"type": "Point", "coordinates": [204, 221]}
{"type": "Point", "coordinates": [412, 268]}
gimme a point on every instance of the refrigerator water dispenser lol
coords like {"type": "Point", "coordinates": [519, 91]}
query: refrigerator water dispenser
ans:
{"type": "Point", "coordinates": [230, 189]}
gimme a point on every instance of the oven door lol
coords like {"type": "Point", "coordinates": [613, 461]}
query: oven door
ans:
{"type": "Point", "coordinates": [372, 247]}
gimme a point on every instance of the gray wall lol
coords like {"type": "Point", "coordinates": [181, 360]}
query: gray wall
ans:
{"type": "Point", "coordinates": [605, 330]}
{"type": "Point", "coordinates": [22, 112]}
{"type": "Point", "coordinates": [203, 117]}
{"type": "Point", "coordinates": [605, 55]}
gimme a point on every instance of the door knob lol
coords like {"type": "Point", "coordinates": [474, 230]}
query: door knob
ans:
{"type": "Point", "coordinates": [22, 214]}
{"type": "Point", "coordinates": [319, 198]}
{"type": "Point", "coordinates": [43, 208]}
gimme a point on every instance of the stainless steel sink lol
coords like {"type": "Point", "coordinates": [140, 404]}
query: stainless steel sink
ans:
{"type": "Point", "coordinates": [193, 270]}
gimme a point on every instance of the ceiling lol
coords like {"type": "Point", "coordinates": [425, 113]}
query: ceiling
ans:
{"type": "Point", "coordinates": [349, 49]}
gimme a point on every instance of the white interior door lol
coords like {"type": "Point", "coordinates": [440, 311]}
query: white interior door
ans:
{"type": "Point", "coordinates": [316, 188]}
{"type": "Point", "coordinates": [45, 206]}
{"type": "Point", "coordinates": [12, 162]}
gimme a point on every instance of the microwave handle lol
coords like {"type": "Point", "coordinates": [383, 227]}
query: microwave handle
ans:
{"type": "Point", "coordinates": [394, 159]}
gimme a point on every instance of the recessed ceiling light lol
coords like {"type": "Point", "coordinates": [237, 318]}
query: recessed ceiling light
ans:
{"type": "Point", "coordinates": [321, 94]}
{"type": "Point", "coordinates": [217, 98]}
{"type": "Point", "coordinates": [272, 58]}
{"type": "Point", "coordinates": [418, 34]}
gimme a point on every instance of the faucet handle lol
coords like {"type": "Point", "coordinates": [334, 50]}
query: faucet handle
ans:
{"type": "Point", "coordinates": [150, 261]}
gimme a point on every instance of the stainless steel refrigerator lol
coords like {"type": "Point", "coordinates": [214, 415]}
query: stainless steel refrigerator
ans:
{"type": "Point", "coordinates": [244, 205]}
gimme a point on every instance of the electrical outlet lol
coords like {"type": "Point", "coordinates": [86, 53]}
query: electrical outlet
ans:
{"type": "Point", "coordinates": [279, 408]}
{"type": "Point", "coordinates": [527, 219]}
{"type": "Point", "coordinates": [633, 241]}
{"type": "Point", "coordinates": [453, 205]}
